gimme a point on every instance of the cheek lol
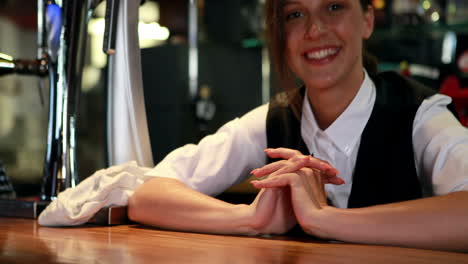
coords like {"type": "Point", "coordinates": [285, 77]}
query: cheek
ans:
{"type": "Point", "coordinates": [289, 60]}
{"type": "Point", "coordinates": [288, 40]}
{"type": "Point", "coordinates": [291, 52]}
{"type": "Point", "coordinates": [289, 48]}
{"type": "Point", "coordinates": [351, 34]}
{"type": "Point", "coordinates": [292, 43]}
{"type": "Point", "coordinates": [292, 35]}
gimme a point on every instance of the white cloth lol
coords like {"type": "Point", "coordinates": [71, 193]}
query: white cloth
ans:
{"type": "Point", "coordinates": [440, 145]}
{"type": "Point", "coordinates": [128, 136]}
{"type": "Point", "coordinates": [108, 187]}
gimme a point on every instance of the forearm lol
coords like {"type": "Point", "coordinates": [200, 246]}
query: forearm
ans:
{"type": "Point", "coordinates": [435, 223]}
{"type": "Point", "coordinates": [168, 203]}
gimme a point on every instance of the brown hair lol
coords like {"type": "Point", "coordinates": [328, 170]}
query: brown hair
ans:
{"type": "Point", "coordinates": [275, 36]}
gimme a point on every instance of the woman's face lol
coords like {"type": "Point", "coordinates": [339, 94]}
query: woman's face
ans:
{"type": "Point", "coordinates": [324, 40]}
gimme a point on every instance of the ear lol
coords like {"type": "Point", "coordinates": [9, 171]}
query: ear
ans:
{"type": "Point", "coordinates": [368, 22]}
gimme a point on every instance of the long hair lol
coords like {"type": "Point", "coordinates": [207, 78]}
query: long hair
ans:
{"type": "Point", "coordinates": [276, 40]}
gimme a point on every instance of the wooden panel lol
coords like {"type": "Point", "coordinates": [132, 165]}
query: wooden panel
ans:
{"type": "Point", "coordinates": [24, 241]}
{"type": "Point", "coordinates": [114, 215]}
{"type": "Point", "coordinates": [21, 208]}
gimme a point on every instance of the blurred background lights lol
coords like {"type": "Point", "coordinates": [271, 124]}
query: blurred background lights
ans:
{"type": "Point", "coordinates": [5, 56]}
{"type": "Point", "coordinates": [152, 31]}
{"type": "Point", "coordinates": [145, 30]}
{"type": "Point", "coordinates": [149, 12]}
{"type": "Point", "coordinates": [150, 34]}
{"type": "Point", "coordinates": [435, 16]}
{"type": "Point", "coordinates": [426, 4]}
{"type": "Point", "coordinates": [379, 4]}
{"type": "Point", "coordinates": [452, 8]}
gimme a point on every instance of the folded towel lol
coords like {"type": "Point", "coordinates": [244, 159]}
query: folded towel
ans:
{"type": "Point", "coordinates": [108, 187]}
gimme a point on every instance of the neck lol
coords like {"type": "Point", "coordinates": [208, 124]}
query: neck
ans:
{"type": "Point", "coordinates": [329, 103]}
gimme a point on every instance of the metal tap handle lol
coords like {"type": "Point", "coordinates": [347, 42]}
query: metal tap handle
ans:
{"type": "Point", "coordinates": [110, 32]}
{"type": "Point", "coordinates": [8, 65]}
{"type": "Point", "coordinates": [53, 25]}
{"type": "Point", "coordinates": [67, 23]}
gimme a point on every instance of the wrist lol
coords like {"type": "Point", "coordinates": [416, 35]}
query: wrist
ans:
{"type": "Point", "coordinates": [322, 223]}
{"type": "Point", "coordinates": [245, 222]}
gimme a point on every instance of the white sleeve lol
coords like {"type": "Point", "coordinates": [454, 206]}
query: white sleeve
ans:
{"type": "Point", "coordinates": [440, 144]}
{"type": "Point", "coordinates": [222, 159]}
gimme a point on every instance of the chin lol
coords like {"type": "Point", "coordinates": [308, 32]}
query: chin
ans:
{"type": "Point", "coordinates": [321, 81]}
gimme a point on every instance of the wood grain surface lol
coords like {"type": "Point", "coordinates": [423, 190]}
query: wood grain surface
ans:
{"type": "Point", "coordinates": [24, 241]}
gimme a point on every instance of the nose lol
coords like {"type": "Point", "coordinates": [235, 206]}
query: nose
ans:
{"type": "Point", "coordinates": [314, 28]}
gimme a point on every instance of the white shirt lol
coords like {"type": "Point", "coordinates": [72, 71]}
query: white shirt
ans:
{"type": "Point", "coordinates": [225, 158]}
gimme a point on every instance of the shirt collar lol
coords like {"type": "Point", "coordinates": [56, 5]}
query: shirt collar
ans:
{"type": "Point", "coordinates": [346, 130]}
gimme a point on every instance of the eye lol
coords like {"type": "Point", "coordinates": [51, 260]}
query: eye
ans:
{"type": "Point", "coordinates": [335, 7]}
{"type": "Point", "coordinates": [293, 15]}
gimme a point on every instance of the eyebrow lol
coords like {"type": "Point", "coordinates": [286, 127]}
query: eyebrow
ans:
{"type": "Point", "coordinates": [289, 2]}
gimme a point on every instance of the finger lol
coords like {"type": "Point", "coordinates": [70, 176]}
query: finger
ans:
{"type": "Point", "coordinates": [335, 180]}
{"type": "Point", "coordinates": [273, 182]}
{"type": "Point", "coordinates": [328, 179]}
{"type": "Point", "coordinates": [269, 168]}
{"type": "Point", "coordinates": [296, 163]}
{"type": "Point", "coordinates": [283, 153]}
{"type": "Point", "coordinates": [283, 166]}
{"type": "Point", "coordinates": [292, 166]}
{"type": "Point", "coordinates": [330, 175]}
{"type": "Point", "coordinates": [315, 163]}
{"type": "Point", "coordinates": [329, 170]}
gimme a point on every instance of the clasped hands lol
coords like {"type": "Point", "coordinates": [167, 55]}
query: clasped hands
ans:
{"type": "Point", "coordinates": [292, 193]}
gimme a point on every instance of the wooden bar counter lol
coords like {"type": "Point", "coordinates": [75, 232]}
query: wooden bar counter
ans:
{"type": "Point", "coordinates": [24, 241]}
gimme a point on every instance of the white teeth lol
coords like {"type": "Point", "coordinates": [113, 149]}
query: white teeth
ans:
{"type": "Point", "coordinates": [321, 54]}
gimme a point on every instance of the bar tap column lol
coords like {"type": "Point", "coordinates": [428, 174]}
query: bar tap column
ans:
{"type": "Point", "coordinates": [66, 51]}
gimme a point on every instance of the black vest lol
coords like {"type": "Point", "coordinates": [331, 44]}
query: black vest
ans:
{"type": "Point", "coordinates": [385, 170]}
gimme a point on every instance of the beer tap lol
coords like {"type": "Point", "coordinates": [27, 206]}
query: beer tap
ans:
{"type": "Point", "coordinates": [9, 65]}
{"type": "Point", "coordinates": [62, 34]}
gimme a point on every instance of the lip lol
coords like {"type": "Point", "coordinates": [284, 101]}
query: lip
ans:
{"type": "Point", "coordinates": [330, 53]}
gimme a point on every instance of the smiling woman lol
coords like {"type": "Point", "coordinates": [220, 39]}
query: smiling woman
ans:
{"type": "Point", "coordinates": [399, 151]}
{"type": "Point", "coordinates": [333, 22]}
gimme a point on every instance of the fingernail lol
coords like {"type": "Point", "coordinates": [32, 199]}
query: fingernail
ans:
{"type": "Point", "coordinates": [254, 171]}
{"type": "Point", "coordinates": [268, 149]}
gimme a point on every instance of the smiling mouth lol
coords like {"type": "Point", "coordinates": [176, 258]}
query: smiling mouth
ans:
{"type": "Point", "coordinates": [322, 54]}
